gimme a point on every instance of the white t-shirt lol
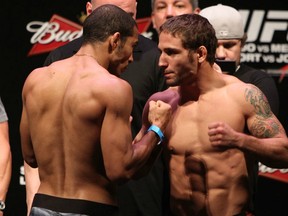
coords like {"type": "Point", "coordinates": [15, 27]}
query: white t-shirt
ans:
{"type": "Point", "coordinates": [3, 115]}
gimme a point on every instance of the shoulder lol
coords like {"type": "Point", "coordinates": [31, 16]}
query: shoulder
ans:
{"type": "Point", "coordinates": [33, 79]}
{"type": "Point", "coordinates": [246, 94]}
{"type": "Point", "coordinates": [115, 89]}
{"type": "Point", "coordinates": [167, 95]}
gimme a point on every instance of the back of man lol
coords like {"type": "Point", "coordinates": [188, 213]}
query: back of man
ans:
{"type": "Point", "coordinates": [70, 107]}
{"type": "Point", "coordinates": [66, 104]}
{"type": "Point", "coordinates": [142, 196]}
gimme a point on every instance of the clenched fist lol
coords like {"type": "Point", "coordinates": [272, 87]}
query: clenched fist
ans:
{"type": "Point", "coordinates": [159, 114]}
{"type": "Point", "coordinates": [221, 134]}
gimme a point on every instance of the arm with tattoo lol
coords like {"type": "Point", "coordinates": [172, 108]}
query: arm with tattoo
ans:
{"type": "Point", "coordinates": [268, 140]}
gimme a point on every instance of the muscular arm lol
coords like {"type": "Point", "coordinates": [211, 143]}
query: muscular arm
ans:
{"type": "Point", "coordinates": [272, 147]}
{"type": "Point", "coordinates": [5, 160]}
{"type": "Point", "coordinates": [121, 158]}
{"type": "Point", "coordinates": [268, 140]}
{"type": "Point", "coordinates": [30, 163]}
{"type": "Point", "coordinates": [26, 142]}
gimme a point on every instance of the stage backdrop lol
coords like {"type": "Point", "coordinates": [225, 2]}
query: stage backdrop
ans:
{"type": "Point", "coordinates": [31, 29]}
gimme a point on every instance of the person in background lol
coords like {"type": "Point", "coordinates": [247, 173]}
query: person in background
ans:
{"type": "Point", "coordinates": [5, 158]}
{"type": "Point", "coordinates": [208, 154]}
{"type": "Point", "coordinates": [164, 9]}
{"type": "Point", "coordinates": [76, 124]}
{"type": "Point", "coordinates": [141, 197]}
{"type": "Point", "coordinates": [229, 27]}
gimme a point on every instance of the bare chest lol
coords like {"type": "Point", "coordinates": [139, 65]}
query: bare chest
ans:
{"type": "Point", "coordinates": [187, 132]}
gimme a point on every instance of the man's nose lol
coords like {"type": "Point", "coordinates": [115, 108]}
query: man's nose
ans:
{"type": "Point", "coordinates": [131, 58]}
{"type": "Point", "coordinates": [220, 53]}
{"type": "Point", "coordinates": [170, 12]}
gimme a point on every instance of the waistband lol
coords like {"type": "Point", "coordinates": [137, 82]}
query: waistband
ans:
{"type": "Point", "coordinates": [76, 206]}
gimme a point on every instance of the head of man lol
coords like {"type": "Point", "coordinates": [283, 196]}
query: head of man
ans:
{"type": "Point", "coordinates": [229, 28]}
{"type": "Point", "coordinates": [110, 26]}
{"type": "Point", "coordinates": [164, 9]}
{"type": "Point", "coordinates": [186, 41]}
{"type": "Point", "coordinates": [129, 6]}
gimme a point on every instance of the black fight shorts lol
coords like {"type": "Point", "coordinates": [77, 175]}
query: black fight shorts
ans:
{"type": "Point", "coordinates": [45, 205]}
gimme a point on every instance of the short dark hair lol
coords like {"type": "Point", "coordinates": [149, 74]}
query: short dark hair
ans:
{"type": "Point", "coordinates": [105, 21]}
{"type": "Point", "coordinates": [194, 31]}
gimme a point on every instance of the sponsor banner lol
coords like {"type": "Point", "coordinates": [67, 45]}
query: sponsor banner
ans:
{"type": "Point", "coordinates": [276, 174]}
{"type": "Point", "coordinates": [266, 46]}
{"type": "Point", "coordinates": [47, 36]}
{"type": "Point", "coordinates": [50, 35]}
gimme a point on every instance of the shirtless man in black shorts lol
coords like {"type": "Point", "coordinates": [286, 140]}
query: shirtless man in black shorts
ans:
{"type": "Point", "coordinates": [75, 124]}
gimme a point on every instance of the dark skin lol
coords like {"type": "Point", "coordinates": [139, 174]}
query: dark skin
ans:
{"type": "Point", "coordinates": [76, 125]}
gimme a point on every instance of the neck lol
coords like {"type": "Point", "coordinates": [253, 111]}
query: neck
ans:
{"type": "Point", "coordinates": [188, 93]}
{"type": "Point", "coordinates": [93, 51]}
{"type": "Point", "coordinates": [85, 54]}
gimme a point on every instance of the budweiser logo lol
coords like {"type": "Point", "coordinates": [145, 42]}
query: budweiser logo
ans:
{"type": "Point", "coordinates": [276, 174]}
{"type": "Point", "coordinates": [50, 35]}
{"type": "Point", "coordinates": [47, 36]}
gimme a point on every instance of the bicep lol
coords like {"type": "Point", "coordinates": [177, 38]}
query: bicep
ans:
{"type": "Point", "coordinates": [116, 137]}
{"type": "Point", "coordinates": [26, 142]}
{"type": "Point", "coordinates": [261, 121]}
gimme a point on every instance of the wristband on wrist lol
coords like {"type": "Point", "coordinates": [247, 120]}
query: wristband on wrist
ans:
{"type": "Point", "coordinates": [158, 131]}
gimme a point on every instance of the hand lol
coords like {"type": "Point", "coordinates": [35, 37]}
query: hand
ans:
{"type": "Point", "coordinates": [159, 114]}
{"type": "Point", "coordinates": [222, 135]}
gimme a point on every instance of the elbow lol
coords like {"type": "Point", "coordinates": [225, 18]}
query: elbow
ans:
{"type": "Point", "coordinates": [119, 176]}
{"type": "Point", "coordinates": [31, 162]}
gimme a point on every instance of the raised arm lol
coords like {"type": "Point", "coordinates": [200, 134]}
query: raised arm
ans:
{"type": "Point", "coordinates": [122, 159]}
{"type": "Point", "coordinates": [268, 140]}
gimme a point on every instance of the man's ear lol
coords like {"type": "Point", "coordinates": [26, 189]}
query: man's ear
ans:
{"type": "Point", "coordinates": [201, 54]}
{"type": "Point", "coordinates": [89, 8]}
{"type": "Point", "coordinates": [114, 41]}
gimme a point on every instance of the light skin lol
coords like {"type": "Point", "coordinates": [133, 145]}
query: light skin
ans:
{"type": "Point", "coordinates": [164, 9]}
{"type": "Point", "coordinates": [126, 159]}
{"type": "Point", "coordinates": [208, 155]}
{"type": "Point", "coordinates": [229, 50]}
{"type": "Point", "coordinates": [127, 5]}
{"type": "Point", "coordinates": [5, 161]}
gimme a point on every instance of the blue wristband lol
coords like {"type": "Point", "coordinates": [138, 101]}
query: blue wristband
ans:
{"type": "Point", "coordinates": [158, 131]}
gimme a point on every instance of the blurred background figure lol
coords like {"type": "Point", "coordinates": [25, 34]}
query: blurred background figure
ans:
{"type": "Point", "coordinates": [164, 9]}
{"type": "Point", "coordinates": [5, 158]}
